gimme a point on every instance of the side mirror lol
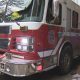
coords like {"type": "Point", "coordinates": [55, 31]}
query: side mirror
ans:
{"type": "Point", "coordinates": [55, 8]}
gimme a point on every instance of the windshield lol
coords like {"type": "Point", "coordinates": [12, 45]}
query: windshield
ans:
{"type": "Point", "coordinates": [22, 10]}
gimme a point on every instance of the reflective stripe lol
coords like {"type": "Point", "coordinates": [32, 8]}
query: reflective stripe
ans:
{"type": "Point", "coordinates": [45, 53]}
{"type": "Point", "coordinates": [50, 52]}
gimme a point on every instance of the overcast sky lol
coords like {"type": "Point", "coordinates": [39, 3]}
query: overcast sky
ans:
{"type": "Point", "coordinates": [77, 1]}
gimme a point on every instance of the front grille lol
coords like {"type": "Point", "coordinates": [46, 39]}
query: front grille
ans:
{"type": "Point", "coordinates": [4, 43]}
{"type": "Point", "coordinates": [4, 29]}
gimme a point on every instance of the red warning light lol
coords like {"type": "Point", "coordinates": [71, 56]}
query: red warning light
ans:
{"type": "Point", "coordinates": [39, 68]}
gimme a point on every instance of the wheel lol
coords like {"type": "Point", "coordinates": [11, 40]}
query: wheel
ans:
{"type": "Point", "coordinates": [1, 73]}
{"type": "Point", "coordinates": [65, 61]}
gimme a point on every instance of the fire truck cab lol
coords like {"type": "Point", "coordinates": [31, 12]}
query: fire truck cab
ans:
{"type": "Point", "coordinates": [38, 35]}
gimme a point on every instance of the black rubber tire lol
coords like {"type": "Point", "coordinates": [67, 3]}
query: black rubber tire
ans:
{"type": "Point", "coordinates": [66, 59]}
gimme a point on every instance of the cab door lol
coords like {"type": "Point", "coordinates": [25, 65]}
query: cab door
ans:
{"type": "Point", "coordinates": [54, 20]}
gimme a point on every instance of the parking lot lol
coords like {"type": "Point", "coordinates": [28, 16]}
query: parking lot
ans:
{"type": "Point", "coordinates": [51, 75]}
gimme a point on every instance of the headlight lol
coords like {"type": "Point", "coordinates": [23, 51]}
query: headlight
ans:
{"type": "Point", "coordinates": [19, 47]}
{"type": "Point", "coordinates": [24, 43]}
{"type": "Point", "coordinates": [25, 48]}
{"type": "Point", "coordinates": [25, 40]}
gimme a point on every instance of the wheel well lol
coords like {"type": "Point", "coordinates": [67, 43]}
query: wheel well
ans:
{"type": "Point", "coordinates": [66, 44]}
{"type": "Point", "coordinates": [65, 62]}
{"type": "Point", "coordinates": [63, 46]}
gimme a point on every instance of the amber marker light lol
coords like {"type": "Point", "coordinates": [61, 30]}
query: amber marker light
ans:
{"type": "Point", "coordinates": [24, 28]}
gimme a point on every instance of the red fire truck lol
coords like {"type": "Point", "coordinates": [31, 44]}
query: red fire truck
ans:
{"type": "Point", "coordinates": [38, 35]}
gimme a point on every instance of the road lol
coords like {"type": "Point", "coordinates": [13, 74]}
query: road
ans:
{"type": "Point", "coordinates": [51, 75]}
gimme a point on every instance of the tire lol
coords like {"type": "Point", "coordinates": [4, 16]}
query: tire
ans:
{"type": "Point", "coordinates": [65, 62]}
{"type": "Point", "coordinates": [1, 73]}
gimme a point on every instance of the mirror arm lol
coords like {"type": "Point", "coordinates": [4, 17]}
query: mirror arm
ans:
{"type": "Point", "coordinates": [55, 8]}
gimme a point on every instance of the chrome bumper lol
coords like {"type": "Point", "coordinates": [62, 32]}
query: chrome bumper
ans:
{"type": "Point", "coordinates": [17, 68]}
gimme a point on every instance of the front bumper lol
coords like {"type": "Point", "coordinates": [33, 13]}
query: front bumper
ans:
{"type": "Point", "coordinates": [17, 67]}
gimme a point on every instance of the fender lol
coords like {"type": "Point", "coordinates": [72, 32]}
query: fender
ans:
{"type": "Point", "coordinates": [65, 43]}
